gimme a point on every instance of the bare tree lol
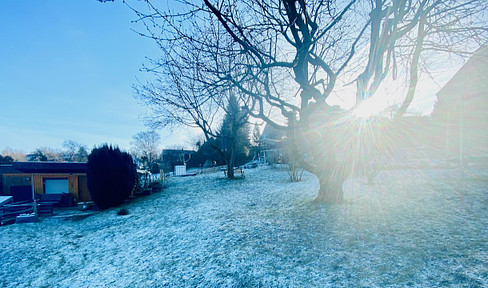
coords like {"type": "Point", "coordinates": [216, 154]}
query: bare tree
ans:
{"type": "Point", "coordinates": [145, 147]}
{"type": "Point", "coordinates": [45, 154]}
{"type": "Point", "coordinates": [74, 151]}
{"type": "Point", "coordinates": [285, 58]}
{"type": "Point", "coordinates": [176, 99]}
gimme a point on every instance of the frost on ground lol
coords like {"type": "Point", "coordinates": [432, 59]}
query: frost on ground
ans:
{"type": "Point", "coordinates": [413, 228]}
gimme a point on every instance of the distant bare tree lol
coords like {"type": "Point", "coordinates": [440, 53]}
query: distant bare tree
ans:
{"type": "Point", "coordinates": [74, 151]}
{"type": "Point", "coordinates": [45, 154]}
{"type": "Point", "coordinates": [284, 59]}
{"type": "Point", "coordinates": [145, 147]}
{"type": "Point", "coordinates": [16, 155]}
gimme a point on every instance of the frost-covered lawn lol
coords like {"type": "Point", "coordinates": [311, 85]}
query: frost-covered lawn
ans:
{"type": "Point", "coordinates": [425, 228]}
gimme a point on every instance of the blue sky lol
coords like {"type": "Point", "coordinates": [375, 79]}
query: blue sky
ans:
{"type": "Point", "coordinates": [66, 71]}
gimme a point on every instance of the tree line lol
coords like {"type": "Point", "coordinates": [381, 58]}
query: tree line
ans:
{"type": "Point", "coordinates": [72, 152]}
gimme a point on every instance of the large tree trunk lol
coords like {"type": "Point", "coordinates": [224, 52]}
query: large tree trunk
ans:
{"type": "Point", "coordinates": [324, 141]}
{"type": "Point", "coordinates": [331, 183]}
{"type": "Point", "coordinates": [330, 172]}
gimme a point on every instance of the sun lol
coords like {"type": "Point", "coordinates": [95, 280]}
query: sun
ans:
{"type": "Point", "coordinates": [367, 109]}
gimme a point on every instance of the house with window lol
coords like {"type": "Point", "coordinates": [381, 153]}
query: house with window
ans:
{"type": "Point", "coordinates": [30, 178]}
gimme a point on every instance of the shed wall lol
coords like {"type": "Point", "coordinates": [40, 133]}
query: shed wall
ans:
{"type": "Point", "coordinates": [10, 180]}
{"type": "Point", "coordinates": [83, 192]}
{"type": "Point", "coordinates": [38, 182]}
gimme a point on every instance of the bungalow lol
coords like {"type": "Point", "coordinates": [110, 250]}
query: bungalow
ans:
{"type": "Point", "coordinates": [45, 178]}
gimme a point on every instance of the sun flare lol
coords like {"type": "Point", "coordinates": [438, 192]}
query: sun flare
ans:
{"type": "Point", "coordinates": [367, 109]}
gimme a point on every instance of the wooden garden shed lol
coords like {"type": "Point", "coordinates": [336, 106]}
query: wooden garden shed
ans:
{"type": "Point", "coordinates": [46, 178]}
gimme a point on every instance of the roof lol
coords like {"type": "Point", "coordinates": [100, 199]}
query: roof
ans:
{"type": "Point", "coordinates": [44, 167]}
{"type": "Point", "coordinates": [464, 95]}
{"type": "Point", "coordinates": [471, 77]}
{"type": "Point", "coordinates": [8, 169]}
{"type": "Point", "coordinates": [270, 132]}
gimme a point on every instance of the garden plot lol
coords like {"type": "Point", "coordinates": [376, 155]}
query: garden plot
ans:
{"type": "Point", "coordinates": [417, 228]}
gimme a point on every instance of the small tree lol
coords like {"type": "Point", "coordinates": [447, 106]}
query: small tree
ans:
{"type": "Point", "coordinates": [111, 176]}
{"type": "Point", "coordinates": [256, 135]}
{"type": "Point", "coordinates": [82, 154]}
{"type": "Point", "coordinates": [293, 159]}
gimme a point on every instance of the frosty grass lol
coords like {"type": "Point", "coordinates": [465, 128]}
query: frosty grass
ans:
{"type": "Point", "coordinates": [413, 228]}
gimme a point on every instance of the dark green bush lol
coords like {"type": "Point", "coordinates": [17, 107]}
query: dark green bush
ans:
{"type": "Point", "coordinates": [123, 212]}
{"type": "Point", "coordinates": [156, 186]}
{"type": "Point", "coordinates": [111, 176]}
{"type": "Point", "coordinates": [155, 168]}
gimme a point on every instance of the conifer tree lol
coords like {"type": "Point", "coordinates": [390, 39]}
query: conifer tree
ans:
{"type": "Point", "coordinates": [111, 176]}
{"type": "Point", "coordinates": [234, 135]}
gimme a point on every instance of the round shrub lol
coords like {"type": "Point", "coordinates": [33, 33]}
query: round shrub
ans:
{"type": "Point", "coordinates": [111, 176]}
{"type": "Point", "coordinates": [123, 212]}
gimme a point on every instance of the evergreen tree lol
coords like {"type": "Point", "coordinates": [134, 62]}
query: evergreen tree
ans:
{"type": "Point", "coordinates": [111, 176]}
{"type": "Point", "coordinates": [231, 144]}
{"type": "Point", "coordinates": [37, 155]}
{"type": "Point", "coordinates": [81, 155]}
{"type": "Point", "coordinates": [208, 152]}
{"type": "Point", "coordinates": [234, 136]}
{"type": "Point", "coordinates": [6, 159]}
{"type": "Point", "coordinates": [256, 134]}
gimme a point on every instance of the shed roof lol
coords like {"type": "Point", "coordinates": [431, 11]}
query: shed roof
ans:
{"type": "Point", "coordinates": [44, 167]}
{"type": "Point", "coordinates": [8, 169]}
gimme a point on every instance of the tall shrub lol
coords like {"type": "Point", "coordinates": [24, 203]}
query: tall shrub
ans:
{"type": "Point", "coordinates": [111, 176]}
